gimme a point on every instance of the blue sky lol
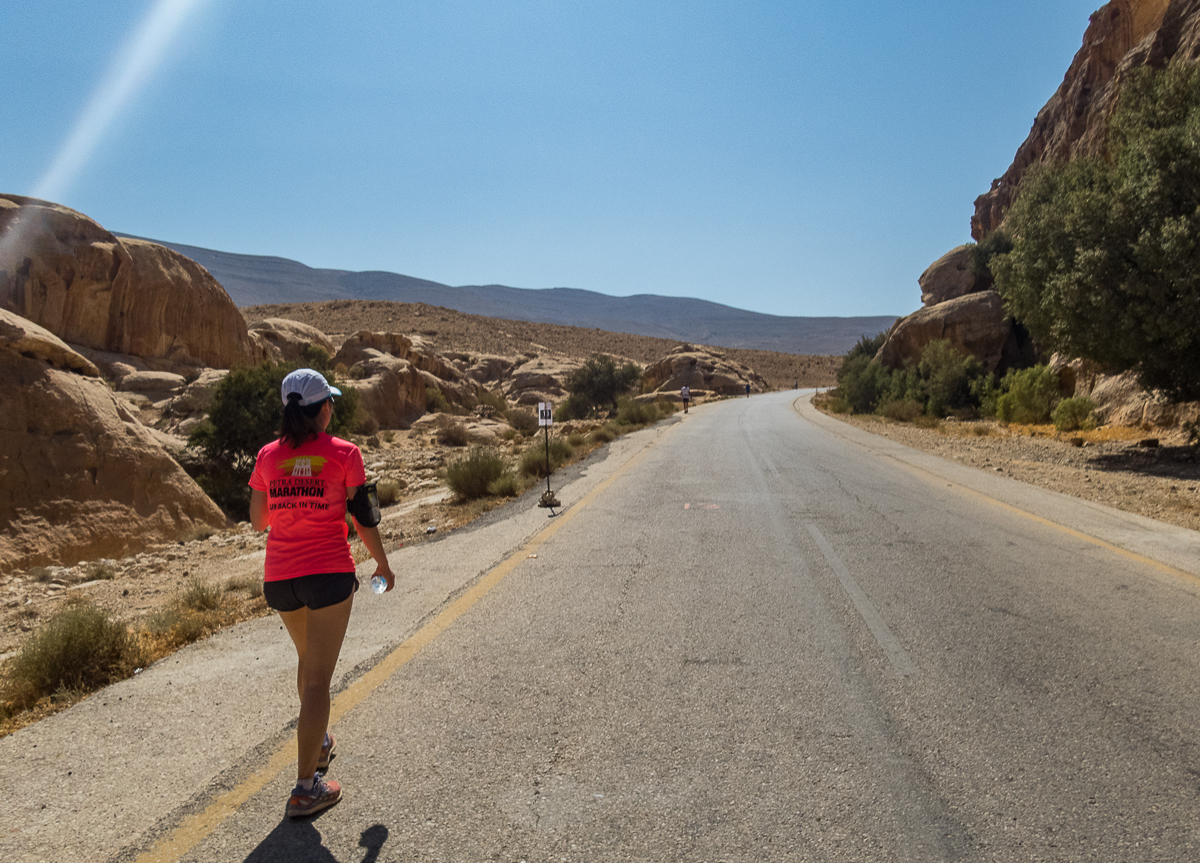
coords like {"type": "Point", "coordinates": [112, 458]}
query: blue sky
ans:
{"type": "Point", "coordinates": [792, 158]}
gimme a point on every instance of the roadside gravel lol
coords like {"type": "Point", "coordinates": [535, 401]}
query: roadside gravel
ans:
{"type": "Point", "coordinates": [1113, 466]}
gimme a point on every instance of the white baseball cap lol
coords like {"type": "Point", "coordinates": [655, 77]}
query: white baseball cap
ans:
{"type": "Point", "coordinates": [311, 386]}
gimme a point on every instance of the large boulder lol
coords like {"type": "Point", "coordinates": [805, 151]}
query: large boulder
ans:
{"type": "Point", "coordinates": [976, 324]}
{"type": "Point", "coordinates": [24, 337]}
{"type": "Point", "coordinates": [701, 369]}
{"type": "Point", "coordinates": [540, 379]}
{"type": "Point", "coordinates": [951, 276]}
{"type": "Point", "coordinates": [61, 270]}
{"type": "Point", "coordinates": [80, 477]}
{"type": "Point", "coordinates": [292, 338]}
{"type": "Point", "coordinates": [490, 369]}
{"type": "Point", "coordinates": [390, 390]}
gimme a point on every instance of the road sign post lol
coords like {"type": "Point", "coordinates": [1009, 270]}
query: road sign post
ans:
{"type": "Point", "coordinates": [545, 420]}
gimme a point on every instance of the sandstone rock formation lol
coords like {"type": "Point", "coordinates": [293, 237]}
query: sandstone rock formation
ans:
{"type": "Point", "coordinates": [384, 368]}
{"type": "Point", "coordinates": [950, 277]}
{"type": "Point", "coordinates": [1122, 35]}
{"type": "Point", "coordinates": [292, 338]}
{"type": "Point", "coordinates": [703, 370]}
{"type": "Point", "coordinates": [540, 378]}
{"type": "Point", "coordinates": [61, 270]}
{"type": "Point", "coordinates": [80, 477]}
{"type": "Point", "coordinates": [975, 324]}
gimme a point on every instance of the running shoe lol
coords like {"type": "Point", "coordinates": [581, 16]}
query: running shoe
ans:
{"type": "Point", "coordinates": [307, 801]}
{"type": "Point", "coordinates": [326, 751]}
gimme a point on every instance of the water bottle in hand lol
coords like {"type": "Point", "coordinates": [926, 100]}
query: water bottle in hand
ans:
{"type": "Point", "coordinates": [378, 584]}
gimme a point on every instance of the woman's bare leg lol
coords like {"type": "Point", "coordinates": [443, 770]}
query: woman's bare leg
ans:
{"type": "Point", "coordinates": [317, 634]}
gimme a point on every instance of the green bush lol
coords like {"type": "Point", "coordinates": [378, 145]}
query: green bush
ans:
{"type": "Point", "coordinates": [505, 485]}
{"type": "Point", "coordinates": [576, 406]}
{"type": "Point", "coordinates": [602, 381]}
{"type": "Point", "coordinates": [634, 413]}
{"type": "Point", "coordinates": [435, 401]}
{"type": "Point", "coordinates": [1077, 412]}
{"type": "Point", "coordinates": [942, 382]}
{"type": "Point", "coordinates": [994, 244]}
{"type": "Point", "coordinates": [862, 383]}
{"type": "Point", "coordinates": [533, 460]}
{"type": "Point", "coordinates": [389, 491]}
{"type": "Point", "coordinates": [602, 434]}
{"type": "Point", "coordinates": [1029, 395]}
{"type": "Point", "coordinates": [470, 476]}
{"type": "Point", "coordinates": [521, 420]}
{"type": "Point", "coordinates": [200, 596]}
{"type": "Point", "coordinates": [494, 400]}
{"type": "Point", "coordinates": [77, 650]}
{"type": "Point", "coordinates": [946, 377]}
{"type": "Point", "coordinates": [1106, 257]}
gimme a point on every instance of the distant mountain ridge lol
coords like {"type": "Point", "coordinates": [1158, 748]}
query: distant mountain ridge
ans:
{"type": "Point", "coordinates": [261, 280]}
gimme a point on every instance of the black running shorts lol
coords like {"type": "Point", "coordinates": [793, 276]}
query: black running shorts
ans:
{"type": "Point", "coordinates": [319, 590]}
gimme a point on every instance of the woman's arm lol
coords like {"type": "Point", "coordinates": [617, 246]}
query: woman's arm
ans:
{"type": "Point", "coordinates": [371, 539]}
{"type": "Point", "coordinates": [260, 516]}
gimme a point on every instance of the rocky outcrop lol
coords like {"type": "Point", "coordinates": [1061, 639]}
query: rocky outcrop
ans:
{"type": "Point", "coordinates": [291, 338]}
{"type": "Point", "coordinates": [1122, 35]}
{"type": "Point", "coordinates": [24, 337]}
{"type": "Point", "coordinates": [61, 270]}
{"type": "Point", "coordinates": [392, 372]}
{"type": "Point", "coordinates": [951, 276]}
{"type": "Point", "coordinates": [975, 324]}
{"type": "Point", "coordinates": [1120, 399]}
{"type": "Point", "coordinates": [540, 379]}
{"type": "Point", "coordinates": [701, 370]}
{"type": "Point", "coordinates": [390, 390]}
{"type": "Point", "coordinates": [80, 477]}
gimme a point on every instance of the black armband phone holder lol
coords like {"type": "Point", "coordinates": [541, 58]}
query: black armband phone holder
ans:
{"type": "Point", "coordinates": [364, 506]}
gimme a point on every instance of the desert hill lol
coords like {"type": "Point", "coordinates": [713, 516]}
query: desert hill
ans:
{"type": "Point", "coordinates": [261, 280]}
{"type": "Point", "coordinates": [447, 331]}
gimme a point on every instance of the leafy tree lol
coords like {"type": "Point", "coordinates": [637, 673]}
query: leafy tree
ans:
{"type": "Point", "coordinates": [601, 382]}
{"type": "Point", "coordinates": [947, 376]}
{"type": "Point", "coordinates": [1105, 263]}
{"type": "Point", "coordinates": [1029, 395]}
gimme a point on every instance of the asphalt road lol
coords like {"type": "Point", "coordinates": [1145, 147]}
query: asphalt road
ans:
{"type": "Point", "coordinates": [754, 635]}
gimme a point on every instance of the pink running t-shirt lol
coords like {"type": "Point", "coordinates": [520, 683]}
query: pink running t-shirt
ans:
{"type": "Point", "coordinates": [306, 504]}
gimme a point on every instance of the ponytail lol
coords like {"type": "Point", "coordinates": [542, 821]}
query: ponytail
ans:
{"type": "Point", "coordinates": [299, 424]}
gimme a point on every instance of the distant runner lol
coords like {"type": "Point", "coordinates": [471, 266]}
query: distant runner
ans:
{"type": "Point", "coordinates": [686, 395]}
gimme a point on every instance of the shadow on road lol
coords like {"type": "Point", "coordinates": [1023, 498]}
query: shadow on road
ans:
{"type": "Point", "coordinates": [300, 842]}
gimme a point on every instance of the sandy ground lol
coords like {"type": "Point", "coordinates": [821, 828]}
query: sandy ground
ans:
{"type": "Point", "coordinates": [1112, 466]}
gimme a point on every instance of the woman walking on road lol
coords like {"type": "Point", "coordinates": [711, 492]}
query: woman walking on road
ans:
{"type": "Point", "coordinates": [299, 489]}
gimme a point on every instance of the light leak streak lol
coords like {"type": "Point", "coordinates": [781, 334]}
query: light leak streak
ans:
{"type": "Point", "coordinates": [132, 69]}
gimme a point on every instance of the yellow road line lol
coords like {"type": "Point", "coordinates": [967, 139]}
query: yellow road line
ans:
{"type": "Point", "coordinates": [1070, 531]}
{"type": "Point", "coordinates": [194, 829]}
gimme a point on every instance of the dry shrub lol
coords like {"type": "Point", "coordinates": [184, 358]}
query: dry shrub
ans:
{"type": "Point", "coordinates": [470, 477]}
{"type": "Point", "coordinates": [904, 410]}
{"type": "Point", "coordinates": [450, 433]}
{"type": "Point", "coordinates": [602, 434]}
{"type": "Point", "coordinates": [521, 420]}
{"type": "Point", "coordinates": [533, 460]}
{"type": "Point", "coordinates": [78, 650]}
{"type": "Point", "coordinates": [505, 485]}
{"type": "Point", "coordinates": [389, 491]}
